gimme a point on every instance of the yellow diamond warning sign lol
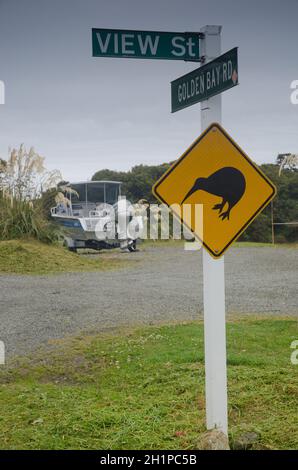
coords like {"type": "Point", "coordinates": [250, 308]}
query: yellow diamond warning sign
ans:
{"type": "Point", "coordinates": [216, 173]}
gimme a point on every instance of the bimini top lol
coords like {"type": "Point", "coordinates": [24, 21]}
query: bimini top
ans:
{"type": "Point", "coordinates": [95, 192]}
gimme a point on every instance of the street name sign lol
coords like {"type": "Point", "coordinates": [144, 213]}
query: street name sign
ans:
{"type": "Point", "coordinates": [145, 44]}
{"type": "Point", "coordinates": [206, 81]}
{"type": "Point", "coordinates": [216, 173]}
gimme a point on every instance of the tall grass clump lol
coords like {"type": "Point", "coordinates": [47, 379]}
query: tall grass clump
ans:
{"type": "Point", "coordinates": [23, 180]}
{"type": "Point", "coordinates": [20, 219]}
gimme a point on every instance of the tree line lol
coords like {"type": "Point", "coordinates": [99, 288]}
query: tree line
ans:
{"type": "Point", "coordinates": [138, 182]}
{"type": "Point", "coordinates": [28, 191]}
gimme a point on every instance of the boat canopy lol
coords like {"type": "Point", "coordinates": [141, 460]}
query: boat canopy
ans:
{"type": "Point", "coordinates": [96, 192]}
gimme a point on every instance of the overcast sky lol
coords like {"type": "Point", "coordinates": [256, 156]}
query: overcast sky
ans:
{"type": "Point", "coordinates": [84, 114]}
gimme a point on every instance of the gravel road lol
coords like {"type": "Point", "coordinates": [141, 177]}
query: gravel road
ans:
{"type": "Point", "coordinates": [160, 284]}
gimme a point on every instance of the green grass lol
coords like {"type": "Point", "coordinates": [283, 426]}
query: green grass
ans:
{"type": "Point", "coordinates": [171, 243]}
{"type": "Point", "coordinates": [28, 256]}
{"type": "Point", "coordinates": [260, 245]}
{"type": "Point", "coordinates": [145, 389]}
{"type": "Point", "coordinates": [34, 257]}
{"type": "Point", "coordinates": [177, 243]}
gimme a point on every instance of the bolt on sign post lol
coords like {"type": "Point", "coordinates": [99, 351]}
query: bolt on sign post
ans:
{"type": "Point", "coordinates": [145, 44]}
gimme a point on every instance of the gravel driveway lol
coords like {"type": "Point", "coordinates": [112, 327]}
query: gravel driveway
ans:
{"type": "Point", "coordinates": [161, 284]}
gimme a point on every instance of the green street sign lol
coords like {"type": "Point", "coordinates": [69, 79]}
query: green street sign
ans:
{"type": "Point", "coordinates": [206, 81]}
{"type": "Point", "coordinates": [145, 44]}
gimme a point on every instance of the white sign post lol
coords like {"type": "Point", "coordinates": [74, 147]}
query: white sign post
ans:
{"type": "Point", "coordinates": [214, 279]}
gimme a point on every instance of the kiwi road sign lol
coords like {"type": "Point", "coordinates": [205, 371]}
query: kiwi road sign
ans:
{"type": "Point", "coordinates": [216, 173]}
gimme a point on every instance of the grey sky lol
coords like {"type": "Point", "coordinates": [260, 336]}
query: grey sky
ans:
{"type": "Point", "coordinates": [84, 114]}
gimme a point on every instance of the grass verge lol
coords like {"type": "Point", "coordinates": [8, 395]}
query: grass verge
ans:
{"type": "Point", "coordinates": [173, 243]}
{"type": "Point", "coordinates": [268, 245]}
{"type": "Point", "coordinates": [34, 257]}
{"type": "Point", "coordinates": [145, 389]}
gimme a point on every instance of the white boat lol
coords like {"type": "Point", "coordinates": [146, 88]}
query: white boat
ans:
{"type": "Point", "coordinates": [95, 215]}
